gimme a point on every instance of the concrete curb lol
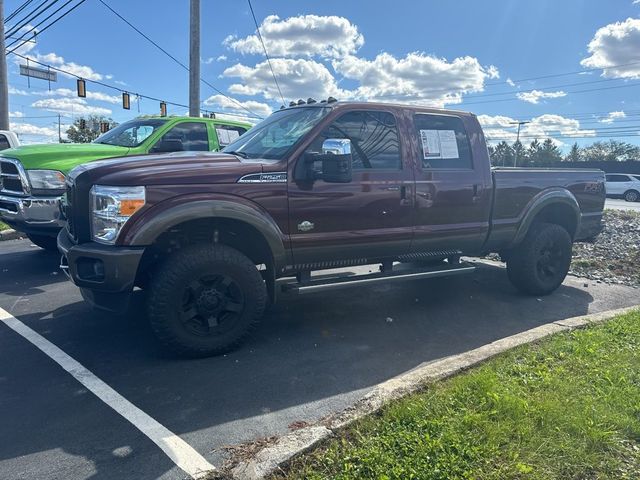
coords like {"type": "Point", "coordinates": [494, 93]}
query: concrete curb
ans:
{"type": "Point", "coordinates": [10, 235]}
{"type": "Point", "coordinates": [272, 457]}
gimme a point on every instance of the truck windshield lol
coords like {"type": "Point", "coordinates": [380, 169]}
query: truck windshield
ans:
{"type": "Point", "coordinates": [132, 133]}
{"type": "Point", "coordinates": [275, 136]}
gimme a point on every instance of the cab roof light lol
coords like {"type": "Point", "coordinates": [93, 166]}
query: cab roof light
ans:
{"type": "Point", "coordinates": [310, 101]}
{"type": "Point", "coordinates": [292, 104]}
{"type": "Point", "coordinates": [301, 102]}
{"type": "Point", "coordinates": [331, 100]}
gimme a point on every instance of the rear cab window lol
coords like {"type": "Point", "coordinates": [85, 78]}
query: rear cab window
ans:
{"type": "Point", "coordinates": [442, 142]}
{"type": "Point", "coordinates": [617, 178]}
{"type": "Point", "coordinates": [228, 134]}
{"type": "Point", "coordinates": [192, 135]}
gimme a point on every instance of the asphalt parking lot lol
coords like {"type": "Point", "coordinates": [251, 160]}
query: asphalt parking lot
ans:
{"type": "Point", "coordinates": [618, 204]}
{"type": "Point", "coordinates": [311, 355]}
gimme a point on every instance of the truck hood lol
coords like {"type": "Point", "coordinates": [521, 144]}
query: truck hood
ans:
{"type": "Point", "coordinates": [179, 168]}
{"type": "Point", "coordinates": [62, 156]}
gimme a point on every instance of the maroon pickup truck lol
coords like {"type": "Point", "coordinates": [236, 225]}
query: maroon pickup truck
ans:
{"type": "Point", "coordinates": [213, 238]}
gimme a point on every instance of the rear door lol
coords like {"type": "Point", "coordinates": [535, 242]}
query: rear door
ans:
{"type": "Point", "coordinates": [368, 218]}
{"type": "Point", "coordinates": [192, 136]}
{"type": "Point", "coordinates": [453, 184]}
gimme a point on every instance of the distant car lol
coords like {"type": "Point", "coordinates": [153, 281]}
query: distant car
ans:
{"type": "Point", "coordinates": [623, 185]}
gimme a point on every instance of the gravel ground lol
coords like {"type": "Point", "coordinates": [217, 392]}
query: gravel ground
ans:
{"type": "Point", "coordinates": [615, 255]}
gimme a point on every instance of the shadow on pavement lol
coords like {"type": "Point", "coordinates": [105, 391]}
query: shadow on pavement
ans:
{"type": "Point", "coordinates": [307, 349]}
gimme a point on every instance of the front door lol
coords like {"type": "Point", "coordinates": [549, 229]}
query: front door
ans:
{"type": "Point", "coordinates": [368, 218]}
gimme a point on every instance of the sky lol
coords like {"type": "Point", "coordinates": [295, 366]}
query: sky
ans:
{"type": "Point", "coordinates": [570, 68]}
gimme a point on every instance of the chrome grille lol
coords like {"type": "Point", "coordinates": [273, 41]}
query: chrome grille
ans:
{"type": "Point", "coordinates": [68, 210]}
{"type": "Point", "coordinates": [13, 179]}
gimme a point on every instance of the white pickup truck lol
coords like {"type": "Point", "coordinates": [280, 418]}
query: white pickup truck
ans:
{"type": "Point", "coordinates": [8, 140]}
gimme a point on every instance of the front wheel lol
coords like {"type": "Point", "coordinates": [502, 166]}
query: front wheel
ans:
{"type": "Point", "coordinates": [205, 299]}
{"type": "Point", "coordinates": [632, 196]}
{"type": "Point", "coordinates": [540, 263]}
{"type": "Point", "coordinates": [50, 244]}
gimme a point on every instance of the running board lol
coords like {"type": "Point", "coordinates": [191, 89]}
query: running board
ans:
{"type": "Point", "coordinates": [373, 278]}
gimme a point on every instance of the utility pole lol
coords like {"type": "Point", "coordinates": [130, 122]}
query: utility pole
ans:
{"type": "Point", "coordinates": [194, 59]}
{"type": "Point", "coordinates": [59, 130]}
{"type": "Point", "coordinates": [4, 82]}
{"type": "Point", "coordinates": [515, 160]}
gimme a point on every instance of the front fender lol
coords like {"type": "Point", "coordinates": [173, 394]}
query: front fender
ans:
{"type": "Point", "coordinates": [552, 196]}
{"type": "Point", "coordinates": [162, 216]}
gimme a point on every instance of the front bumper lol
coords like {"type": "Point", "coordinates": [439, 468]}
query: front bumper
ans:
{"type": "Point", "coordinates": [105, 274]}
{"type": "Point", "coordinates": [37, 215]}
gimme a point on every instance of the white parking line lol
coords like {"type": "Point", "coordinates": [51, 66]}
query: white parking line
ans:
{"type": "Point", "coordinates": [181, 453]}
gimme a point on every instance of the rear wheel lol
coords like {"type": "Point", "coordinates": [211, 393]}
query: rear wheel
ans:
{"type": "Point", "coordinates": [632, 196]}
{"type": "Point", "coordinates": [44, 241]}
{"type": "Point", "coordinates": [540, 263]}
{"type": "Point", "coordinates": [205, 299]}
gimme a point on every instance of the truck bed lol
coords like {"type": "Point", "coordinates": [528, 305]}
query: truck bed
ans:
{"type": "Point", "coordinates": [517, 190]}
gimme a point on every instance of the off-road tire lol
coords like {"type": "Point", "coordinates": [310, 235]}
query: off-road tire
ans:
{"type": "Point", "coordinates": [632, 196]}
{"type": "Point", "coordinates": [539, 264]}
{"type": "Point", "coordinates": [170, 283]}
{"type": "Point", "coordinates": [50, 244]}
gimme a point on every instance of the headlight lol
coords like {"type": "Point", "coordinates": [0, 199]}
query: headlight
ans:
{"type": "Point", "coordinates": [46, 179]}
{"type": "Point", "coordinates": [111, 208]}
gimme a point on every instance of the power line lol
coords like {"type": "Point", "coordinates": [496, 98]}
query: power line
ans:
{"type": "Point", "coordinates": [106, 85]}
{"type": "Point", "coordinates": [146, 37]}
{"type": "Point", "coordinates": [46, 26]}
{"type": "Point", "coordinates": [264, 47]}
{"type": "Point", "coordinates": [17, 11]}
{"type": "Point", "coordinates": [35, 13]}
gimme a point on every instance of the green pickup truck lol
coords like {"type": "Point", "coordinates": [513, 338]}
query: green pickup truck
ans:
{"type": "Point", "coordinates": [32, 177]}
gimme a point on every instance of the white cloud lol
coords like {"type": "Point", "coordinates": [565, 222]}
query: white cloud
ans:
{"type": "Point", "coordinates": [499, 127]}
{"type": "Point", "coordinates": [616, 44]}
{"type": "Point", "coordinates": [207, 61]}
{"type": "Point", "coordinates": [68, 93]}
{"type": "Point", "coordinates": [511, 82]}
{"type": "Point", "coordinates": [34, 130]}
{"type": "Point", "coordinates": [304, 35]}
{"type": "Point", "coordinates": [299, 78]}
{"type": "Point", "coordinates": [16, 114]}
{"type": "Point", "coordinates": [221, 58]}
{"type": "Point", "coordinates": [73, 68]}
{"type": "Point", "coordinates": [613, 116]}
{"type": "Point", "coordinates": [17, 91]}
{"type": "Point", "coordinates": [416, 77]}
{"type": "Point", "coordinates": [534, 96]}
{"type": "Point", "coordinates": [74, 106]}
{"type": "Point", "coordinates": [220, 101]}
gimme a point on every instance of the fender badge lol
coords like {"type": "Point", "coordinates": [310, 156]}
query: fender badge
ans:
{"type": "Point", "coordinates": [305, 226]}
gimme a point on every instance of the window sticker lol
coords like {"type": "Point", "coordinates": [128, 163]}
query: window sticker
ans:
{"type": "Point", "coordinates": [439, 144]}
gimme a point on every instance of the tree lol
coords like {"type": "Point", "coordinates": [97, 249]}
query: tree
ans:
{"type": "Point", "coordinates": [519, 153]}
{"type": "Point", "coordinates": [91, 130]}
{"type": "Point", "coordinates": [549, 153]}
{"type": "Point", "coordinates": [574, 155]}
{"type": "Point", "coordinates": [501, 155]}
{"type": "Point", "coordinates": [611, 151]}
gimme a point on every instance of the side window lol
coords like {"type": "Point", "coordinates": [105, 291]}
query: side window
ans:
{"type": "Point", "coordinates": [228, 134]}
{"type": "Point", "coordinates": [617, 178]}
{"type": "Point", "coordinates": [374, 139]}
{"type": "Point", "coordinates": [4, 142]}
{"type": "Point", "coordinates": [192, 135]}
{"type": "Point", "coordinates": [442, 142]}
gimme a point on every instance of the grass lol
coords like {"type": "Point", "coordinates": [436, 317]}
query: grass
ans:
{"type": "Point", "coordinates": [565, 408]}
{"type": "Point", "coordinates": [3, 226]}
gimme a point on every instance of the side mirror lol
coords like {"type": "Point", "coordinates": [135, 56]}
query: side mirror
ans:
{"type": "Point", "coordinates": [168, 145]}
{"type": "Point", "coordinates": [335, 160]}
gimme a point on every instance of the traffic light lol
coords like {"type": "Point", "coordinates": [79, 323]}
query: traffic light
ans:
{"type": "Point", "coordinates": [126, 101]}
{"type": "Point", "coordinates": [83, 124]}
{"type": "Point", "coordinates": [104, 127]}
{"type": "Point", "coordinates": [82, 88]}
{"type": "Point", "coordinates": [163, 109]}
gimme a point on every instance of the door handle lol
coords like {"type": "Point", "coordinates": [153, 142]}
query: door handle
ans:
{"type": "Point", "coordinates": [393, 189]}
{"type": "Point", "coordinates": [476, 189]}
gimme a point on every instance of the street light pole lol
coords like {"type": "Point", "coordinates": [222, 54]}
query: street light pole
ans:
{"type": "Point", "coordinates": [194, 59]}
{"type": "Point", "coordinates": [515, 160]}
{"type": "Point", "coordinates": [4, 82]}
